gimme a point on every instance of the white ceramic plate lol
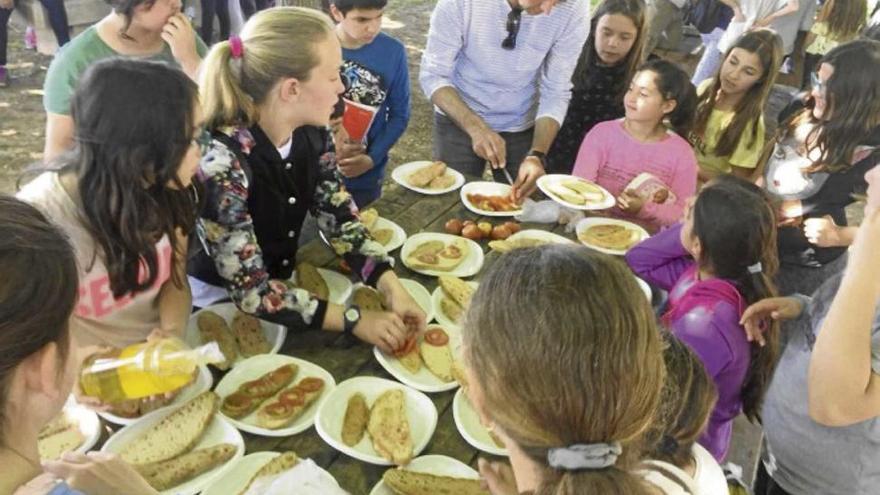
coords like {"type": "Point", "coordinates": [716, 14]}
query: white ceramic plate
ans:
{"type": "Point", "coordinates": [339, 285]}
{"type": "Point", "coordinates": [421, 295]}
{"type": "Point", "coordinates": [424, 380]}
{"type": "Point", "coordinates": [218, 431]}
{"type": "Point", "coordinates": [487, 189]}
{"type": "Point", "coordinates": [201, 384]}
{"type": "Point", "coordinates": [586, 223]}
{"type": "Point", "coordinates": [547, 180]}
{"type": "Point", "coordinates": [275, 333]}
{"type": "Point", "coordinates": [400, 174]}
{"type": "Point", "coordinates": [541, 235]}
{"type": "Point", "coordinates": [468, 423]}
{"type": "Point", "coordinates": [397, 239]}
{"type": "Point", "coordinates": [235, 480]}
{"type": "Point", "coordinates": [439, 465]}
{"type": "Point", "coordinates": [468, 267]}
{"type": "Point", "coordinates": [86, 420]}
{"type": "Point", "coordinates": [442, 318]}
{"type": "Point", "coordinates": [253, 368]}
{"type": "Point", "coordinates": [645, 288]}
{"type": "Point", "coordinates": [420, 411]}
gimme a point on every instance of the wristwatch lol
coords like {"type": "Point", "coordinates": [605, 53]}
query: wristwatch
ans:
{"type": "Point", "coordinates": [351, 317]}
{"type": "Point", "coordinates": [540, 155]}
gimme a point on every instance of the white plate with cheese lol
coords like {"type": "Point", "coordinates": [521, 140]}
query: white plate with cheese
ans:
{"type": "Point", "coordinates": [470, 265]}
{"type": "Point", "coordinates": [550, 184]}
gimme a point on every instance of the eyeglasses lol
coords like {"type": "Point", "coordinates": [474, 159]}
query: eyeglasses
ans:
{"type": "Point", "coordinates": [203, 139]}
{"type": "Point", "coordinates": [514, 19]}
{"type": "Point", "coordinates": [817, 83]}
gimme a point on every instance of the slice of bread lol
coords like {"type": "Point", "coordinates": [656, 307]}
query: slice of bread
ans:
{"type": "Point", "coordinates": [213, 328]}
{"type": "Point", "coordinates": [368, 299]}
{"type": "Point", "coordinates": [278, 465]}
{"type": "Point", "coordinates": [389, 427]}
{"type": "Point", "coordinates": [249, 335]}
{"type": "Point", "coordinates": [443, 260]}
{"type": "Point", "coordinates": [451, 309]}
{"type": "Point", "coordinates": [174, 434]}
{"type": "Point", "coordinates": [309, 278]}
{"type": "Point", "coordinates": [423, 176]}
{"type": "Point", "coordinates": [165, 475]}
{"type": "Point", "coordinates": [51, 447]}
{"type": "Point", "coordinates": [457, 289]}
{"type": "Point", "coordinates": [382, 236]}
{"type": "Point", "coordinates": [405, 482]}
{"type": "Point", "coordinates": [438, 360]}
{"type": "Point", "coordinates": [441, 181]}
{"type": "Point", "coordinates": [411, 361]}
{"type": "Point", "coordinates": [368, 217]}
{"type": "Point", "coordinates": [354, 425]}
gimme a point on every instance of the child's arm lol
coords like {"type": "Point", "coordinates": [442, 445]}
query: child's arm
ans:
{"type": "Point", "coordinates": [398, 112]}
{"type": "Point", "coordinates": [661, 259]}
{"type": "Point", "coordinates": [684, 185]}
{"type": "Point", "coordinates": [175, 302]}
{"type": "Point", "coordinates": [591, 155]}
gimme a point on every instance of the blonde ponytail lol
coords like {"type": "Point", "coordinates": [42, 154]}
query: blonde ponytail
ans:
{"type": "Point", "coordinates": [276, 43]}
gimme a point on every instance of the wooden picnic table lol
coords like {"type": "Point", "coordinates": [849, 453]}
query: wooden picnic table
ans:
{"type": "Point", "coordinates": [415, 213]}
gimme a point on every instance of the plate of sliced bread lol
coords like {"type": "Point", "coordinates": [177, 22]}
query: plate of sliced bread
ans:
{"type": "Point", "coordinates": [239, 335]}
{"type": "Point", "coordinates": [430, 474]}
{"type": "Point", "coordinates": [377, 421]}
{"type": "Point", "coordinates": [427, 177]}
{"type": "Point", "coordinates": [387, 233]}
{"type": "Point", "coordinates": [468, 423]}
{"type": "Point", "coordinates": [575, 192]}
{"type": "Point", "coordinates": [610, 235]}
{"type": "Point", "coordinates": [253, 473]}
{"type": "Point", "coordinates": [179, 450]}
{"type": "Point", "coordinates": [75, 429]}
{"type": "Point", "coordinates": [132, 411]}
{"type": "Point", "coordinates": [451, 299]}
{"type": "Point", "coordinates": [436, 254]}
{"type": "Point", "coordinates": [273, 395]}
{"type": "Point", "coordinates": [426, 363]}
{"type": "Point", "coordinates": [324, 284]}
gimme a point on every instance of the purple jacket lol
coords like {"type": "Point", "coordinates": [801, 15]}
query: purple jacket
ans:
{"type": "Point", "coordinates": [705, 315]}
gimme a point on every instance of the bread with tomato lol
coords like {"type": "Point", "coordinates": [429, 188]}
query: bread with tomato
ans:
{"type": "Point", "coordinates": [389, 427]}
{"type": "Point", "coordinates": [290, 403]}
{"type": "Point", "coordinates": [445, 259]}
{"type": "Point", "coordinates": [435, 352]}
{"type": "Point", "coordinates": [249, 395]}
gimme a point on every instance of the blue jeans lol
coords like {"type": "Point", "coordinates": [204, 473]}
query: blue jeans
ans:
{"type": "Point", "coordinates": [57, 19]}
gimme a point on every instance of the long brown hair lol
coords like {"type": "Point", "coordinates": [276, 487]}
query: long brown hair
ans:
{"type": "Point", "coordinates": [852, 108]}
{"type": "Point", "coordinates": [37, 290]}
{"type": "Point", "coordinates": [844, 18]}
{"type": "Point", "coordinates": [634, 10]}
{"type": "Point", "coordinates": [277, 43]}
{"type": "Point", "coordinates": [767, 45]}
{"type": "Point", "coordinates": [736, 226]}
{"type": "Point", "coordinates": [688, 399]}
{"type": "Point", "coordinates": [566, 351]}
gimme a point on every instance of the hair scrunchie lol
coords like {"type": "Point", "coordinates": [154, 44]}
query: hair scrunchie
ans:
{"type": "Point", "coordinates": [236, 47]}
{"type": "Point", "coordinates": [584, 456]}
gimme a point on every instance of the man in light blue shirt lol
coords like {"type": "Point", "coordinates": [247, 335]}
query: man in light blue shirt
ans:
{"type": "Point", "coordinates": [499, 75]}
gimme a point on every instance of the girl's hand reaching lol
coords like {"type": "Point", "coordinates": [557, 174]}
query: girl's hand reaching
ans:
{"type": "Point", "coordinates": [630, 202]}
{"type": "Point", "coordinates": [776, 308]}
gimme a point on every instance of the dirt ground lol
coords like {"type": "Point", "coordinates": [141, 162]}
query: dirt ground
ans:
{"type": "Point", "coordinates": [22, 121]}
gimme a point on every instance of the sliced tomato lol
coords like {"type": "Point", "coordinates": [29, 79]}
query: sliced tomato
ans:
{"type": "Point", "coordinates": [408, 347]}
{"type": "Point", "coordinates": [292, 397]}
{"type": "Point", "coordinates": [257, 388]}
{"type": "Point", "coordinates": [436, 337]}
{"type": "Point", "coordinates": [279, 409]}
{"type": "Point", "coordinates": [310, 384]}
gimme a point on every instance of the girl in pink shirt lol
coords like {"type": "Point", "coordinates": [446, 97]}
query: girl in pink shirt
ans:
{"type": "Point", "coordinates": [616, 152]}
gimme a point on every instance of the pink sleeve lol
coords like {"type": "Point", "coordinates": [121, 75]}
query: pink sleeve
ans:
{"type": "Point", "coordinates": [591, 155]}
{"type": "Point", "coordinates": [684, 185]}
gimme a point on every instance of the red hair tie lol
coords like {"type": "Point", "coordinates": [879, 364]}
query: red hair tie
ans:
{"type": "Point", "coordinates": [236, 47]}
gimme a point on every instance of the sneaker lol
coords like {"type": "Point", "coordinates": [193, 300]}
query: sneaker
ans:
{"type": "Point", "coordinates": [30, 38]}
{"type": "Point", "coordinates": [4, 77]}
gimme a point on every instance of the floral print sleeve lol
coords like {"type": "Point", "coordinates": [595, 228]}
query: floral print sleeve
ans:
{"type": "Point", "coordinates": [226, 232]}
{"type": "Point", "coordinates": [337, 217]}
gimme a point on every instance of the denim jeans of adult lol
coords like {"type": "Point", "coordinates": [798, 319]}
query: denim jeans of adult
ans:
{"type": "Point", "coordinates": [57, 21]}
{"type": "Point", "coordinates": [454, 146]}
{"type": "Point", "coordinates": [209, 9]}
{"type": "Point", "coordinates": [711, 59]}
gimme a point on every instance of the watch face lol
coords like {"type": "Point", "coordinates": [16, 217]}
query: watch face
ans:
{"type": "Point", "coordinates": [352, 314]}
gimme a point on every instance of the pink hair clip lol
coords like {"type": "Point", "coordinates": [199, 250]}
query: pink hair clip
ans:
{"type": "Point", "coordinates": [236, 47]}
